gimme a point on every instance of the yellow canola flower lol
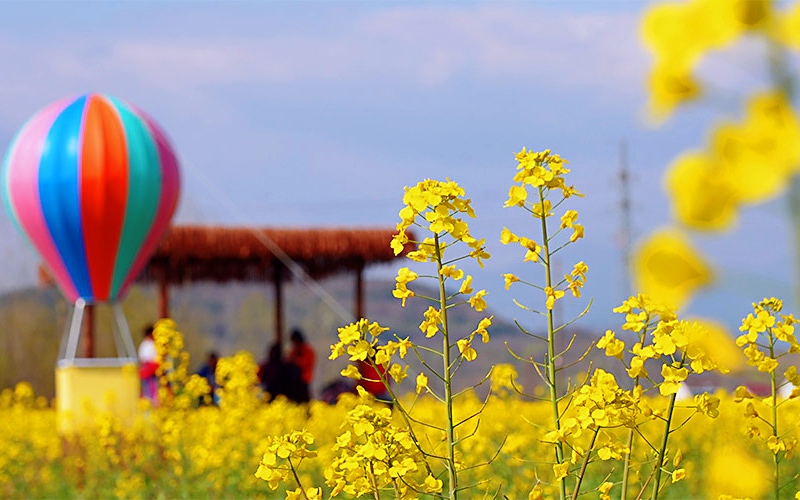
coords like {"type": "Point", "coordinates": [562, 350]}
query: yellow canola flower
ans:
{"type": "Point", "coordinates": [680, 34]}
{"type": "Point", "coordinates": [422, 383]}
{"type": "Point", "coordinates": [718, 479]}
{"type": "Point", "coordinates": [758, 157]}
{"type": "Point", "coordinates": [503, 377]}
{"type": "Point", "coordinates": [552, 295]}
{"type": "Point", "coordinates": [790, 26]}
{"type": "Point", "coordinates": [670, 84]}
{"type": "Point", "coordinates": [703, 197]}
{"type": "Point", "coordinates": [614, 347]}
{"type": "Point", "coordinates": [673, 377]}
{"type": "Point", "coordinates": [713, 341]}
{"type": "Point", "coordinates": [477, 301]}
{"type": "Point", "coordinates": [506, 236]}
{"type": "Point", "coordinates": [466, 349]}
{"type": "Point", "coordinates": [509, 278]}
{"type": "Point", "coordinates": [668, 269]}
{"type": "Point", "coordinates": [561, 470]}
{"type": "Point", "coordinates": [516, 196]}
{"type": "Point", "coordinates": [569, 218]}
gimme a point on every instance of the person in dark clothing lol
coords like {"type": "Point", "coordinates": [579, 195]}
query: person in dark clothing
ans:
{"type": "Point", "coordinates": [279, 377]}
{"type": "Point", "coordinates": [209, 372]}
{"type": "Point", "coordinates": [302, 356]}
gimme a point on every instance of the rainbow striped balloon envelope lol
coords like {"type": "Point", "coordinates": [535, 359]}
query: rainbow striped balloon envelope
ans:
{"type": "Point", "coordinates": [92, 182]}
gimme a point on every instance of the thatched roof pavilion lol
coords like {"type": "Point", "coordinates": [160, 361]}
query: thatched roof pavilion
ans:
{"type": "Point", "coordinates": [247, 254]}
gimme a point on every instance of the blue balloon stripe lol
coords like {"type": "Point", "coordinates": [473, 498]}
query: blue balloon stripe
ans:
{"type": "Point", "coordinates": [59, 172]}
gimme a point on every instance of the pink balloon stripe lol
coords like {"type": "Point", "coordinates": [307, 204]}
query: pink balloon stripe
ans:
{"type": "Point", "coordinates": [24, 199]}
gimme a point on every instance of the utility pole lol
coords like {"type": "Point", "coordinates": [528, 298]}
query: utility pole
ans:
{"type": "Point", "coordinates": [625, 212]}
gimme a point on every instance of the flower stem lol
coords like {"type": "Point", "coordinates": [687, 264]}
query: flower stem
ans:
{"type": "Point", "coordinates": [297, 479]}
{"type": "Point", "coordinates": [446, 374]}
{"type": "Point", "coordinates": [551, 343]}
{"type": "Point", "coordinates": [774, 424]}
{"type": "Point", "coordinates": [627, 466]}
{"type": "Point", "coordinates": [663, 451]}
{"type": "Point", "coordinates": [585, 464]}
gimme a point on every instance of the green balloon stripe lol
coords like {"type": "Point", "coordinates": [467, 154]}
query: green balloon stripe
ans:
{"type": "Point", "coordinates": [144, 188]}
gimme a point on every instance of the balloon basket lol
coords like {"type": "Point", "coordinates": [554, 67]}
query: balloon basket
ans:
{"type": "Point", "coordinates": [87, 388]}
{"type": "Point", "coordinates": [85, 392]}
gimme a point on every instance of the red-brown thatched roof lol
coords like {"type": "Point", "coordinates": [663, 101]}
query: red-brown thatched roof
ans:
{"type": "Point", "coordinates": [218, 253]}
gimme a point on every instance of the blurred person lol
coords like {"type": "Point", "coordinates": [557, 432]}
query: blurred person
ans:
{"type": "Point", "coordinates": [302, 356]}
{"type": "Point", "coordinates": [148, 366]}
{"type": "Point", "coordinates": [209, 372]}
{"type": "Point", "coordinates": [278, 377]}
{"type": "Point", "coordinates": [372, 380]}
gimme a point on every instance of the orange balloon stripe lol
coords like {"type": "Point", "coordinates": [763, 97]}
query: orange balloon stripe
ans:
{"type": "Point", "coordinates": [103, 192]}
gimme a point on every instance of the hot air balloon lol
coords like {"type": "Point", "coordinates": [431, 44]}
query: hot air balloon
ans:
{"type": "Point", "coordinates": [92, 182]}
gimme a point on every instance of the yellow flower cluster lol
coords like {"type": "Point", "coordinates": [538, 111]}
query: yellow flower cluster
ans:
{"type": "Point", "coordinates": [765, 329]}
{"type": "Point", "coordinates": [237, 377]}
{"type": "Point", "coordinates": [283, 455]}
{"type": "Point", "coordinates": [436, 206]}
{"type": "Point", "coordinates": [360, 341]}
{"type": "Point", "coordinates": [175, 390]}
{"type": "Point", "coordinates": [600, 403]}
{"type": "Point", "coordinates": [374, 455]}
{"type": "Point", "coordinates": [661, 336]}
{"type": "Point", "coordinates": [545, 172]}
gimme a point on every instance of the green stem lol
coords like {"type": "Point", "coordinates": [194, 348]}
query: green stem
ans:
{"type": "Point", "coordinates": [551, 344]}
{"type": "Point", "coordinates": [297, 479]}
{"type": "Point", "coordinates": [627, 465]}
{"type": "Point", "coordinates": [447, 375]}
{"type": "Point", "coordinates": [663, 451]}
{"type": "Point", "coordinates": [774, 392]}
{"type": "Point", "coordinates": [585, 464]}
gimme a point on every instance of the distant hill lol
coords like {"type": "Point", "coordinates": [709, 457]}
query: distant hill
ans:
{"type": "Point", "coordinates": [232, 318]}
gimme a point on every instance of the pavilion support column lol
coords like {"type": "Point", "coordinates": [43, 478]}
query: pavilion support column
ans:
{"type": "Point", "coordinates": [163, 297]}
{"type": "Point", "coordinates": [88, 338]}
{"type": "Point", "coordinates": [278, 282]}
{"type": "Point", "coordinates": [359, 292]}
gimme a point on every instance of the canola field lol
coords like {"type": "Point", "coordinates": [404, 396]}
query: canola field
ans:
{"type": "Point", "coordinates": [214, 452]}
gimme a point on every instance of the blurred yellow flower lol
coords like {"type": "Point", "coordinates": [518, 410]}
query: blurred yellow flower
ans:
{"type": "Point", "coordinates": [719, 480]}
{"type": "Point", "coordinates": [714, 342]}
{"type": "Point", "coordinates": [668, 269]}
{"type": "Point", "coordinates": [702, 196]}
{"type": "Point", "coordinates": [757, 157]}
{"type": "Point", "coordinates": [670, 86]}
{"type": "Point", "coordinates": [790, 26]}
{"type": "Point", "coordinates": [680, 34]}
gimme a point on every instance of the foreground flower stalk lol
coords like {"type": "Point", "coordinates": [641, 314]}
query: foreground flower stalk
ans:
{"type": "Point", "coordinates": [543, 174]}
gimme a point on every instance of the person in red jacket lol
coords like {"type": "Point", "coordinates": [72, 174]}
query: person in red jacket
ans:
{"type": "Point", "coordinates": [372, 380]}
{"type": "Point", "coordinates": [148, 366]}
{"type": "Point", "coordinates": [302, 356]}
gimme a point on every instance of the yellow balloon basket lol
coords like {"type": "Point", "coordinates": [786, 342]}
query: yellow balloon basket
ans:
{"type": "Point", "coordinates": [90, 388]}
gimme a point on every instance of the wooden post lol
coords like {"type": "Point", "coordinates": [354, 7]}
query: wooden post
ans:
{"type": "Point", "coordinates": [278, 278]}
{"type": "Point", "coordinates": [88, 343]}
{"type": "Point", "coordinates": [163, 296]}
{"type": "Point", "coordinates": [360, 292]}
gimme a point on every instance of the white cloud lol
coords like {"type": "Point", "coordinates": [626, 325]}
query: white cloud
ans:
{"type": "Point", "coordinates": [407, 45]}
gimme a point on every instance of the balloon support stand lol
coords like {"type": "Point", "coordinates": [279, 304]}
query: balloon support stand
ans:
{"type": "Point", "coordinates": [89, 387]}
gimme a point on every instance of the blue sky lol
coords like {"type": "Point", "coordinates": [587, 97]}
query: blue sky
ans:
{"type": "Point", "coordinates": [319, 113]}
